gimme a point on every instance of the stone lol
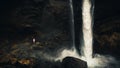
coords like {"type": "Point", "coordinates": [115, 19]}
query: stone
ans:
{"type": "Point", "coordinates": [71, 62]}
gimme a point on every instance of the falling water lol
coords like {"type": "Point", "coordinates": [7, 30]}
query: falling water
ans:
{"type": "Point", "coordinates": [87, 29]}
{"type": "Point", "coordinates": [72, 22]}
{"type": "Point", "coordinates": [98, 61]}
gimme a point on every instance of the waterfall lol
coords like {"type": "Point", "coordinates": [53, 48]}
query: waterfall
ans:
{"type": "Point", "coordinates": [98, 61]}
{"type": "Point", "coordinates": [87, 29]}
{"type": "Point", "coordinates": [72, 22]}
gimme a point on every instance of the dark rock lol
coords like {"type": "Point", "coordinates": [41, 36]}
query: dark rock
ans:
{"type": "Point", "coordinates": [70, 62]}
{"type": "Point", "coordinates": [47, 64]}
{"type": "Point", "coordinates": [16, 65]}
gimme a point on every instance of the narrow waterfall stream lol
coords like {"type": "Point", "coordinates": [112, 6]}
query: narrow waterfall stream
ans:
{"type": "Point", "coordinates": [87, 29]}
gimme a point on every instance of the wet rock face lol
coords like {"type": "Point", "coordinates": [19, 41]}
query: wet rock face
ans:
{"type": "Point", "coordinates": [70, 62]}
{"type": "Point", "coordinates": [106, 27]}
{"type": "Point", "coordinates": [42, 20]}
{"type": "Point", "coordinates": [107, 36]}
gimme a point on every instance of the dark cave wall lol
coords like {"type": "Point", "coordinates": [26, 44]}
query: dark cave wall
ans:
{"type": "Point", "coordinates": [23, 20]}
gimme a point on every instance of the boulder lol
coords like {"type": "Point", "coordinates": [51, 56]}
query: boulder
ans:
{"type": "Point", "coordinates": [71, 62]}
